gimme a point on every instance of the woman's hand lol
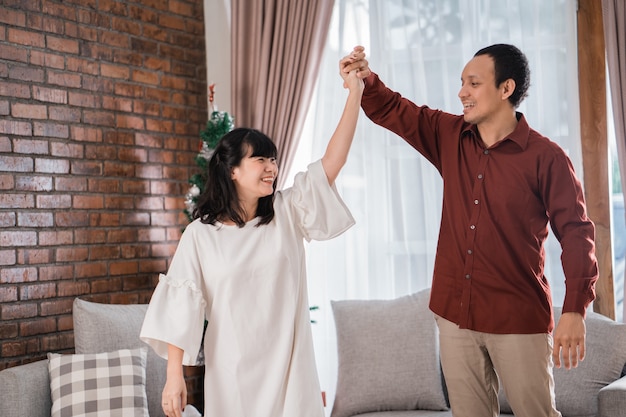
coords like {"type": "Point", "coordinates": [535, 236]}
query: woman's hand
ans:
{"type": "Point", "coordinates": [355, 61]}
{"type": "Point", "coordinates": [174, 397]}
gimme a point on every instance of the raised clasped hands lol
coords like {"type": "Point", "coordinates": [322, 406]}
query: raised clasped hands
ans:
{"type": "Point", "coordinates": [356, 64]}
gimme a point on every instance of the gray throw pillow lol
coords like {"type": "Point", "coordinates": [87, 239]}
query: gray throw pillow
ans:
{"type": "Point", "coordinates": [388, 356]}
{"type": "Point", "coordinates": [577, 389]}
{"type": "Point", "coordinates": [109, 327]}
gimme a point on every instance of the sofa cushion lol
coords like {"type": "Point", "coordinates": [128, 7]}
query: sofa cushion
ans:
{"type": "Point", "coordinates": [388, 356]}
{"type": "Point", "coordinates": [109, 327]}
{"type": "Point", "coordinates": [112, 383]}
{"type": "Point", "coordinates": [577, 389]}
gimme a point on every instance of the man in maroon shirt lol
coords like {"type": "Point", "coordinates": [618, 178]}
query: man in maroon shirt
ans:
{"type": "Point", "coordinates": [503, 184]}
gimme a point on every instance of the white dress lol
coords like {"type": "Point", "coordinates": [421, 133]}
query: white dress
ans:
{"type": "Point", "coordinates": [250, 284]}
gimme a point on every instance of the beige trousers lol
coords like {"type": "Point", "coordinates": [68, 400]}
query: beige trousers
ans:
{"type": "Point", "coordinates": [474, 364]}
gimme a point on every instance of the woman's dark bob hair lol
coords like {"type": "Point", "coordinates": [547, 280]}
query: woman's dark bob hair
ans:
{"type": "Point", "coordinates": [219, 200]}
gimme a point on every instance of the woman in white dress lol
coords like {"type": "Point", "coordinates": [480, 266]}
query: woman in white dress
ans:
{"type": "Point", "coordinates": [241, 266]}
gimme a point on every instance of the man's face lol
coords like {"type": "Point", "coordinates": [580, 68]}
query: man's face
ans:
{"type": "Point", "coordinates": [482, 100]}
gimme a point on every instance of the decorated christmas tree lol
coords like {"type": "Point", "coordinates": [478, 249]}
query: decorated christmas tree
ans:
{"type": "Point", "coordinates": [218, 125]}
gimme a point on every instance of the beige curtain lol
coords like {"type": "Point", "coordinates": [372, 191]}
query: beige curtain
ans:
{"type": "Point", "coordinates": [614, 18]}
{"type": "Point", "coordinates": [277, 47]}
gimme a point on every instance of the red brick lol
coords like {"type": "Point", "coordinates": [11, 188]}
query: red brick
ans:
{"type": "Point", "coordinates": [119, 203]}
{"type": "Point", "coordinates": [65, 114]}
{"type": "Point", "coordinates": [118, 169]}
{"type": "Point", "coordinates": [7, 219]}
{"type": "Point", "coordinates": [159, 125]}
{"type": "Point", "coordinates": [13, 17]}
{"type": "Point", "coordinates": [9, 349]}
{"type": "Point", "coordinates": [7, 182]}
{"type": "Point", "coordinates": [53, 25]}
{"type": "Point", "coordinates": [98, 84]}
{"type": "Point", "coordinates": [164, 219]}
{"type": "Point", "coordinates": [26, 38]}
{"type": "Point", "coordinates": [174, 203]}
{"type": "Point", "coordinates": [83, 99]}
{"type": "Point", "coordinates": [107, 285]}
{"type": "Point", "coordinates": [88, 236]}
{"type": "Point", "coordinates": [7, 257]}
{"type": "Point", "coordinates": [137, 282]}
{"type": "Point", "coordinates": [153, 234]}
{"type": "Point", "coordinates": [52, 166]}
{"type": "Point", "coordinates": [67, 46]}
{"type": "Point", "coordinates": [176, 173]}
{"type": "Point", "coordinates": [16, 163]}
{"type": "Point", "coordinates": [106, 185]}
{"type": "Point", "coordinates": [86, 134]}
{"type": "Point", "coordinates": [64, 79]}
{"type": "Point", "coordinates": [8, 294]}
{"type": "Point", "coordinates": [54, 201]}
{"type": "Point", "coordinates": [142, 14]}
{"type": "Point", "coordinates": [39, 326]}
{"type": "Point", "coordinates": [8, 331]}
{"type": "Point", "coordinates": [152, 109]}
{"type": "Point", "coordinates": [75, 184]}
{"type": "Point", "coordinates": [72, 288]}
{"type": "Point", "coordinates": [115, 71]}
{"type": "Point", "coordinates": [54, 130]}
{"type": "Point", "coordinates": [82, 66]}
{"type": "Point", "coordinates": [126, 26]}
{"type": "Point", "coordinates": [44, 59]}
{"type": "Point", "coordinates": [136, 187]}
{"type": "Point", "coordinates": [117, 103]}
{"type": "Point", "coordinates": [135, 219]}
{"type": "Point", "coordinates": [104, 252]}
{"type": "Point", "coordinates": [153, 265]}
{"type": "Point", "coordinates": [149, 171]}
{"type": "Point", "coordinates": [55, 238]}
{"type": "Point", "coordinates": [91, 270]}
{"type": "Point", "coordinates": [14, 90]}
{"type": "Point", "coordinates": [29, 111]}
{"type": "Point", "coordinates": [120, 138]}
{"type": "Point", "coordinates": [71, 219]}
{"type": "Point", "coordinates": [67, 150]}
{"type": "Point", "coordinates": [122, 236]}
{"type": "Point", "coordinates": [136, 251]}
{"type": "Point", "coordinates": [65, 323]}
{"type": "Point", "coordinates": [163, 249]}
{"type": "Point", "coordinates": [26, 74]}
{"type": "Point", "coordinates": [13, 53]}
{"type": "Point", "coordinates": [18, 311]}
{"type": "Point", "coordinates": [14, 127]}
{"type": "Point", "coordinates": [125, 298]}
{"type": "Point", "coordinates": [157, 63]}
{"type": "Point", "coordinates": [87, 168]}
{"type": "Point", "coordinates": [35, 219]}
{"type": "Point", "coordinates": [99, 118]}
{"type": "Point", "coordinates": [129, 122]}
{"type": "Point", "coordinates": [30, 146]}
{"type": "Point", "coordinates": [33, 256]}
{"type": "Point", "coordinates": [72, 254]}
{"type": "Point", "coordinates": [56, 272]}
{"type": "Point", "coordinates": [49, 95]}
{"type": "Point", "coordinates": [88, 202]}
{"type": "Point", "coordinates": [33, 183]}
{"type": "Point", "coordinates": [104, 219]}
{"type": "Point", "coordinates": [37, 291]}
{"type": "Point", "coordinates": [56, 307]}
{"type": "Point", "coordinates": [57, 342]}
{"type": "Point", "coordinates": [21, 238]}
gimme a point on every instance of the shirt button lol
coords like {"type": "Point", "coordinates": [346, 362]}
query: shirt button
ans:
{"type": "Point", "coordinates": [467, 276]}
{"type": "Point", "coordinates": [469, 251]}
{"type": "Point", "coordinates": [480, 176]}
{"type": "Point", "coordinates": [472, 227]}
{"type": "Point", "coordinates": [486, 151]}
{"type": "Point", "coordinates": [475, 201]}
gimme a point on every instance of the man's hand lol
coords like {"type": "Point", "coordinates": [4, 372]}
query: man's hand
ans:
{"type": "Point", "coordinates": [355, 61]}
{"type": "Point", "coordinates": [569, 340]}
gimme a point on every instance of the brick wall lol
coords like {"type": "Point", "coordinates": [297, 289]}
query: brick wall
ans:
{"type": "Point", "coordinates": [101, 104]}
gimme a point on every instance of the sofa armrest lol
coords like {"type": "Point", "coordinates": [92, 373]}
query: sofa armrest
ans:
{"type": "Point", "coordinates": [25, 390]}
{"type": "Point", "coordinates": [612, 399]}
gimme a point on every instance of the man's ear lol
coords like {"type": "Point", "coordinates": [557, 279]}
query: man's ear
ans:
{"type": "Point", "coordinates": [507, 88]}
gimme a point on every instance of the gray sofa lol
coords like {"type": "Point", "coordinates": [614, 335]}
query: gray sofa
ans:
{"type": "Point", "coordinates": [388, 364]}
{"type": "Point", "coordinates": [25, 390]}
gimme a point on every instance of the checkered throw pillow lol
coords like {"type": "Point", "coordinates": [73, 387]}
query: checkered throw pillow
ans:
{"type": "Point", "coordinates": [109, 384]}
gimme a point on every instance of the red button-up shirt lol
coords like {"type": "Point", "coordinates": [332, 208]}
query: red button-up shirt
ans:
{"type": "Point", "coordinates": [497, 203]}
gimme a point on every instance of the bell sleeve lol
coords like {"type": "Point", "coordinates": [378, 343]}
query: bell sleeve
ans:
{"type": "Point", "coordinates": [318, 208]}
{"type": "Point", "coordinates": [176, 311]}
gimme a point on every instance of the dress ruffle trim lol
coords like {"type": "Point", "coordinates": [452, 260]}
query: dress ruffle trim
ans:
{"type": "Point", "coordinates": [178, 283]}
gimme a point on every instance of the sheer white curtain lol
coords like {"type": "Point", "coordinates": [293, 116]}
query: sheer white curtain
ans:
{"type": "Point", "coordinates": [419, 48]}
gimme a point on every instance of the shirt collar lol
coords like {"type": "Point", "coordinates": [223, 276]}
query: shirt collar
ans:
{"type": "Point", "coordinates": [518, 136]}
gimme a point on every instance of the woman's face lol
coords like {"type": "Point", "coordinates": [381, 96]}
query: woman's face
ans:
{"type": "Point", "coordinates": [254, 177]}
